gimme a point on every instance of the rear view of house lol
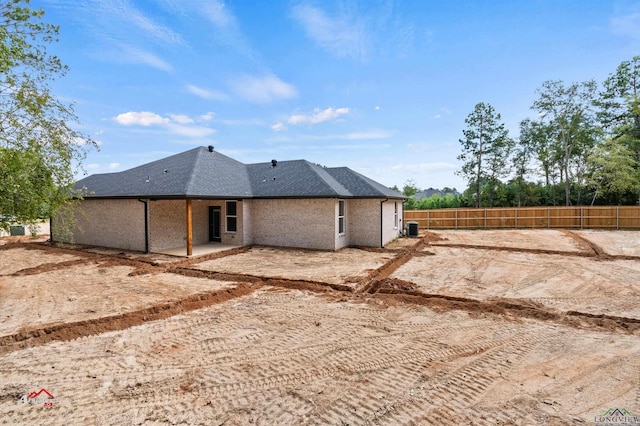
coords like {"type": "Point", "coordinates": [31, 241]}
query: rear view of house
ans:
{"type": "Point", "coordinates": [201, 196]}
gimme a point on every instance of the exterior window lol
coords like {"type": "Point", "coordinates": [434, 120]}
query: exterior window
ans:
{"type": "Point", "coordinates": [231, 217]}
{"type": "Point", "coordinates": [341, 222]}
{"type": "Point", "coordinates": [395, 215]}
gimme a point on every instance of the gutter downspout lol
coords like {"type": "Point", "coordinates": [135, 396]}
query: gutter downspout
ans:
{"type": "Point", "coordinates": [146, 224]}
{"type": "Point", "coordinates": [382, 223]}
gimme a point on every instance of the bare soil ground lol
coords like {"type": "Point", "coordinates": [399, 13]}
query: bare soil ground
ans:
{"type": "Point", "coordinates": [455, 327]}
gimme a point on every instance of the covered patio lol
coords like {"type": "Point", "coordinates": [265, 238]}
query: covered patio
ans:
{"type": "Point", "coordinates": [197, 250]}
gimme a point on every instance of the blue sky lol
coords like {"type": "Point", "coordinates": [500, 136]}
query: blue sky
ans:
{"type": "Point", "coordinates": [382, 87]}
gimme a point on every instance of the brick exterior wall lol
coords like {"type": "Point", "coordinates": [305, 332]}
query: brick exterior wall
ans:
{"type": "Point", "coordinates": [168, 223]}
{"type": "Point", "coordinates": [363, 218]}
{"type": "Point", "coordinates": [99, 223]}
{"type": "Point", "coordinates": [306, 223]}
{"type": "Point", "coordinates": [247, 218]}
{"type": "Point", "coordinates": [389, 230]}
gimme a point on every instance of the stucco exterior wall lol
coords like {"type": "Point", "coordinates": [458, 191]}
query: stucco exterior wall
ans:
{"type": "Point", "coordinates": [306, 223]}
{"type": "Point", "coordinates": [363, 220]}
{"type": "Point", "coordinates": [107, 223]}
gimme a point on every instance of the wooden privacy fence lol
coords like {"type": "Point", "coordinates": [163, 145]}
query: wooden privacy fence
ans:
{"type": "Point", "coordinates": [587, 217]}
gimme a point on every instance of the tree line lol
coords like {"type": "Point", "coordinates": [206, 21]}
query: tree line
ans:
{"type": "Point", "coordinates": [581, 147]}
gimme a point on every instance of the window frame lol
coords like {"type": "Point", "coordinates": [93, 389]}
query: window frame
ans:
{"type": "Point", "coordinates": [395, 215]}
{"type": "Point", "coordinates": [342, 218]}
{"type": "Point", "coordinates": [228, 216]}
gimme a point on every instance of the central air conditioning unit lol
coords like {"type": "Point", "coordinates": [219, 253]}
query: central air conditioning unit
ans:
{"type": "Point", "coordinates": [412, 229]}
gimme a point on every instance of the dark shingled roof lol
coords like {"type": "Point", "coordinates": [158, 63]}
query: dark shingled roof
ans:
{"type": "Point", "coordinates": [199, 173]}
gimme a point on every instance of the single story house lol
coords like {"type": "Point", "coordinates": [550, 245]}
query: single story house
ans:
{"type": "Point", "coordinates": [202, 196]}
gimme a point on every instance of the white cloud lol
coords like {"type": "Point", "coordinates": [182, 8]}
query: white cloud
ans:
{"type": "Point", "coordinates": [437, 116]}
{"type": "Point", "coordinates": [368, 135]}
{"type": "Point", "coordinates": [206, 93]}
{"type": "Point", "coordinates": [227, 31]}
{"type": "Point", "coordinates": [424, 167]}
{"type": "Point", "coordinates": [143, 118]}
{"type": "Point", "coordinates": [159, 32]}
{"type": "Point", "coordinates": [207, 117]}
{"type": "Point", "coordinates": [177, 124]}
{"type": "Point", "coordinates": [375, 134]}
{"type": "Point", "coordinates": [628, 25]}
{"type": "Point", "coordinates": [278, 127]}
{"type": "Point", "coordinates": [134, 55]}
{"type": "Point", "coordinates": [218, 13]}
{"type": "Point", "coordinates": [342, 36]}
{"type": "Point", "coordinates": [181, 118]}
{"type": "Point", "coordinates": [262, 90]}
{"type": "Point", "coordinates": [190, 131]}
{"type": "Point", "coordinates": [114, 165]}
{"type": "Point", "coordinates": [78, 141]}
{"type": "Point", "coordinates": [377, 108]}
{"type": "Point", "coordinates": [318, 116]}
{"type": "Point", "coordinates": [93, 166]}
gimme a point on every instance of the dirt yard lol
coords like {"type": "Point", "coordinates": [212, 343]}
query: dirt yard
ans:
{"type": "Point", "coordinates": [454, 327]}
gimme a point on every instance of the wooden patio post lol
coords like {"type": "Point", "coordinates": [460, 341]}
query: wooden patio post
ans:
{"type": "Point", "coordinates": [189, 229]}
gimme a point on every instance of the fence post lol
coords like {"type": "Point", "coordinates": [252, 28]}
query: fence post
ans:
{"type": "Point", "coordinates": [485, 218]}
{"type": "Point", "coordinates": [428, 219]}
{"type": "Point", "coordinates": [516, 214]}
{"type": "Point", "coordinates": [581, 217]}
{"type": "Point", "coordinates": [548, 217]}
{"type": "Point", "coordinates": [456, 220]}
{"type": "Point", "coordinates": [617, 217]}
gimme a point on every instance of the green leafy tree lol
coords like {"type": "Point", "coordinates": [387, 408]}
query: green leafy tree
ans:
{"type": "Point", "coordinates": [568, 119]}
{"type": "Point", "coordinates": [619, 104]}
{"type": "Point", "coordinates": [486, 148]}
{"type": "Point", "coordinates": [39, 150]}
{"type": "Point", "coordinates": [613, 170]}
{"type": "Point", "coordinates": [410, 188]}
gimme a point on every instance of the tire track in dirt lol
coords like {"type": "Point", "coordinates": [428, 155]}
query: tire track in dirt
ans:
{"type": "Point", "coordinates": [455, 390]}
{"type": "Point", "coordinates": [69, 331]}
{"type": "Point", "coordinates": [212, 385]}
{"type": "Point", "coordinates": [451, 392]}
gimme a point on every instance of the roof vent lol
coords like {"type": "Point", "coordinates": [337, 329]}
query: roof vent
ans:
{"type": "Point", "coordinates": [210, 148]}
{"type": "Point", "coordinates": [274, 163]}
